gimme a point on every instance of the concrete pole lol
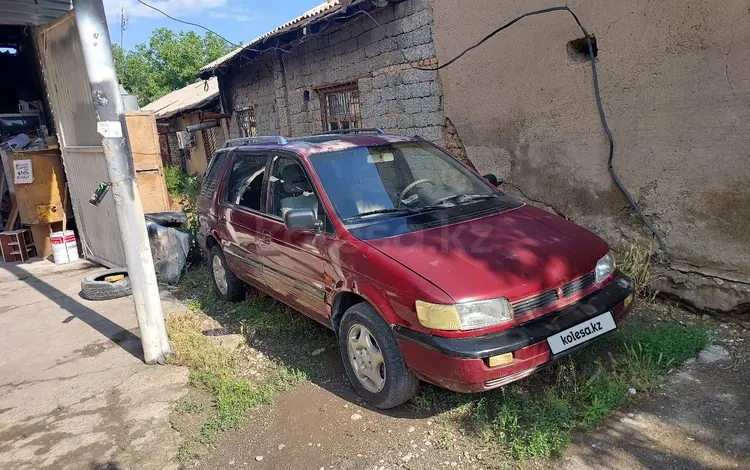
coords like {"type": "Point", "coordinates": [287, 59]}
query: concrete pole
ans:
{"type": "Point", "coordinates": [100, 64]}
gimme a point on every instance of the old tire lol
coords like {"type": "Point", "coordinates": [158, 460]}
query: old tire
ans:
{"type": "Point", "coordinates": [226, 284]}
{"type": "Point", "coordinates": [94, 287]}
{"type": "Point", "coordinates": [399, 383]}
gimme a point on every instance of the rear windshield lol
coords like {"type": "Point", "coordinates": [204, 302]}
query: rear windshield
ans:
{"type": "Point", "coordinates": [380, 181]}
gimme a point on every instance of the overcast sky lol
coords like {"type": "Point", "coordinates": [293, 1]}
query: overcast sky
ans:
{"type": "Point", "coordinates": [237, 20]}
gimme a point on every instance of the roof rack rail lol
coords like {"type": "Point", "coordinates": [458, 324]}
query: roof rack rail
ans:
{"type": "Point", "coordinates": [356, 130]}
{"type": "Point", "coordinates": [261, 139]}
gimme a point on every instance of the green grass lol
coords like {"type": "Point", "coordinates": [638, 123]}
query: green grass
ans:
{"type": "Point", "coordinates": [258, 315]}
{"type": "Point", "coordinates": [535, 418]}
{"type": "Point", "coordinates": [531, 419]}
{"type": "Point", "coordinates": [218, 371]}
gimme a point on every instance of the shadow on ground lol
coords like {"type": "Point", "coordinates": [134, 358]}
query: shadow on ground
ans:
{"type": "Point", "coordinates": [109, 329]}
{"type": "Point", "coordinates": [288, 337]}
{"type": "Point", "coordinates": [291, 338]}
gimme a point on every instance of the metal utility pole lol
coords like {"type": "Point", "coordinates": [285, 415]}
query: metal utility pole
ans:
{"type": "Point", "coordinates": [97, 52]}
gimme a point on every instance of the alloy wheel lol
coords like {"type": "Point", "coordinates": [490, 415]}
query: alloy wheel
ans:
{"type": "Point", "coordinates": [366, 358]}
{"type": "Point", "coordinates": [220, 275]}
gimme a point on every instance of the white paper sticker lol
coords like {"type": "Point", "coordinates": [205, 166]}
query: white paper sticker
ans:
{"type": "Point", "coordinates": [109, 128]}
{"type": "Point", "coordinates": [24, 174]}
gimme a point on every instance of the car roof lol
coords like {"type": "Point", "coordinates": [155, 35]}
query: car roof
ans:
{"type": "Point", "coordinates": [309, 145]}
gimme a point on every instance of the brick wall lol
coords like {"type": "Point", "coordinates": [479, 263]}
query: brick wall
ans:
{"type": "Point", "coordinates": [175, 152]}
{"type": "Point", "coordinates": [393, 95]}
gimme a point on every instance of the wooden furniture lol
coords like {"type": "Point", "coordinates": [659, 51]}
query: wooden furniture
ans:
{"type": "Point", "coordinates": [16, 245]}
{"type": "Point", "coordinates": [144, 143]}
{"type": "Point", "coordinates": [8, 179]}
{"type": "Point", "coordinates": [40, 202]}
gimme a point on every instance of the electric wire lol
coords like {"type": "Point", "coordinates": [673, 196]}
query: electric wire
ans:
{"type": "Point", "coordinates": [597, 98]}
{"type": "Point", "coordinates": [594, 74]}
{"type": "Point", "coordinates": [188, 23]}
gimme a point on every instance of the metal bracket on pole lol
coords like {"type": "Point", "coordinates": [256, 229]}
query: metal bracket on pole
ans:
{"type": "Point", "coordinates": [101, 190]}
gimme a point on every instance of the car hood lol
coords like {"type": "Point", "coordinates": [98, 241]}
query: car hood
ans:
{"type": "Point", "coordinates": [513, 254]}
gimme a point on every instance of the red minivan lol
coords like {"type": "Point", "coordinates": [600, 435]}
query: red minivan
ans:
{"type": "Point", "coordinates": [423, 268]}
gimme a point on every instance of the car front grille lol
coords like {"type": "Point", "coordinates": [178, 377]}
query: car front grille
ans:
{"type": "Point", "coordinates": [545, 299]}
{"type": "Point", "coordinates": [577, 285]}
{"type": "Point", "coordinates": [537, 302]}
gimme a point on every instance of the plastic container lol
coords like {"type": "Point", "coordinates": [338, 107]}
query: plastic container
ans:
{"type": "Point", "coordinates": [64, 247]}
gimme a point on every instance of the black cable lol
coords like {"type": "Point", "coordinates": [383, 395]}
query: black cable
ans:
{"type": "Point", "coordinates": [189, 23]}
{"type": "Point", "coordinates": [595, 79]}
{"type": "Point", "coordinates": [610, 138]}
{"type": "Point", "coordinates": [506, 25]}
{"type": "Point", "coordinates": [597, 98]}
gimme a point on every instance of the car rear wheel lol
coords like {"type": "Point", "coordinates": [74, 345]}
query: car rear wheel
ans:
{"type": "Point", "coordinates": [226, 284]}
{"type": "Point", "coordinates": [372, 359]}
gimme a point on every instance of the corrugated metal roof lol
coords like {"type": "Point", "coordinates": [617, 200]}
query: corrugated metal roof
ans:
{"type": "Point", "coordinates": [32, 12]}
{"type": "Point", "coordinates": [193, 96]}
{"type": "Point", "coordinates": [314, 13]}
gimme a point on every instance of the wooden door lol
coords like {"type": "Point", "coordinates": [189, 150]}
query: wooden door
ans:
{"type": "Point", "coordinates": [144, 143]}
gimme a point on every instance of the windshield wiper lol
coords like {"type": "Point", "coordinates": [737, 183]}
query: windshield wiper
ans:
{"type": "Point", "coordinates": [391, 210]}
{"type": "Point", "coordinates": [461, 198]}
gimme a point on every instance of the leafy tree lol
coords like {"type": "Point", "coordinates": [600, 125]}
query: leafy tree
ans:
{"type": "Point", "coordinates": [168, 61]}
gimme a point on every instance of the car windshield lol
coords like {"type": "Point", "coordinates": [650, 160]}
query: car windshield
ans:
{"type": "Point", "coordinates": [395, 179]}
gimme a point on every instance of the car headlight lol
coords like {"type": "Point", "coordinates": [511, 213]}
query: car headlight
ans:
{"type": "Point", "coordinates": [604, 267]}
{"type": "Point", "coordinates": [466, 315]}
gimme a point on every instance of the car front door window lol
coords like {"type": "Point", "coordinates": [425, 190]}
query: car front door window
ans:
{"type": "Point", "coordinates": [291, 189]}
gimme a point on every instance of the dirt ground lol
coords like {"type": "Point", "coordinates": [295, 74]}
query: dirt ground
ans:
{"type": "Point", "coordinates": [699, 419]}
{"type": "Point", "coordinates": [74, 391]}
{"type": "Point", "coordinates": [75, 394]}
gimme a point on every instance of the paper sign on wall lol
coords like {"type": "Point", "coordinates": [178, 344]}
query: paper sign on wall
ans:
{"type": "Point", "coordinates": [23, 172]}
{"type": "Point", "coordinates": [109, 128]}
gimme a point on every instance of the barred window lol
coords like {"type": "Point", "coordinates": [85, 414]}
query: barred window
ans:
{"type": "Point", "coordinates": [340, 107]}
{"type": "Point", "coordinates": [246, 122]}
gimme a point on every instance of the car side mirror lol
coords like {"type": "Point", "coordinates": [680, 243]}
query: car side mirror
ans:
{"type": "Point", "coordinates": [492, 179]}
{"type": "Point", "coordinates": [302, 220]}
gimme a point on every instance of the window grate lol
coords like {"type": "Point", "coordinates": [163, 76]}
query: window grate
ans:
{"type": "Point", "coordinates": [246, 122]}
{"type": "Point", "coordinates": [340, 107]}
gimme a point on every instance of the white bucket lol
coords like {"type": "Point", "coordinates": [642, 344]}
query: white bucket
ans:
{"type": "Point", "coordinates": [64, 247]}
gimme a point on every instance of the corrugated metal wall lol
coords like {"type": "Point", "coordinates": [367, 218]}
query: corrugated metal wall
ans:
{"type": "Point", "coordinates": [69, 94]}
{"type": "Point", "coordinates": [31, 12]}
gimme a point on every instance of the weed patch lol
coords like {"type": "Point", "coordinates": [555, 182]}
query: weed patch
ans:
{"type": "Point", "coordinates": [258, 315]}
{"type": "Point", "coordinates": [536, 418]}
{"type": "Point", "coordinates": [216, 370]}
{"type": "Point", "coordinates": [184, 189]}
{"type": "Point", "coordinates": [635, 261]}
{"type": "Point", "coordinates": [179, 183]}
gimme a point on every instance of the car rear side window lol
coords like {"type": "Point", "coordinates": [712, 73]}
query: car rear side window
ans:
{"type": "Point", "coordinates": [246, 181]}
{"type": "Point", "coordinates": [211, 178]}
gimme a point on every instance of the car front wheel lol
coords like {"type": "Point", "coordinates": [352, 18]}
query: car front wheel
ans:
{"type": "Point", "coordinates": [226, 284]}
{"type": "Point", "coordinates": [372, 359]}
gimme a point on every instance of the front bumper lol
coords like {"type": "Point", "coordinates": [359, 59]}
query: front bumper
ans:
{"type": "Point", "coordinates": [459, 363]}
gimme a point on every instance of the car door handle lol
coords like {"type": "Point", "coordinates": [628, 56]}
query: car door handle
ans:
{"type": "Point", "coordinates": [265, 237]}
